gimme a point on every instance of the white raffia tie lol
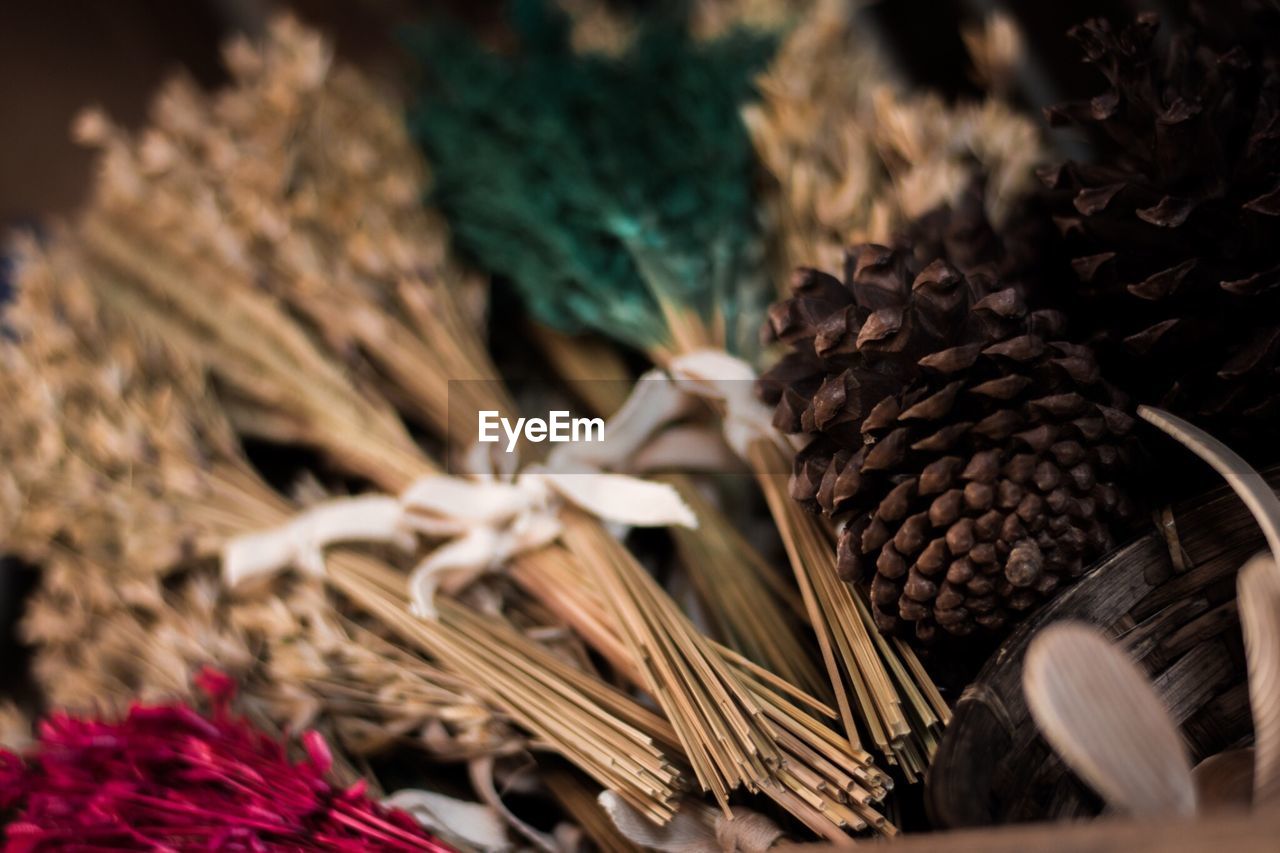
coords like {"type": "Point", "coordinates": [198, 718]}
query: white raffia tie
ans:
{"type": "Point", "coordinates": [715, 375]}
{"type": "Point", "coordinates": [488, 521]}
{"type": "Point", "coordinates": [301, 542]}
{"type": "Point", "coordinates": [491, 521]}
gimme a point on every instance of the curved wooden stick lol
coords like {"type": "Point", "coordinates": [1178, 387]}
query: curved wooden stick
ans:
{"type": "Point", "coordinates": [1246, 482]}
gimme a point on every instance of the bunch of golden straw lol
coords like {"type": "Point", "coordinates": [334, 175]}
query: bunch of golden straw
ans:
{"type": "Point", "coordinates": [853, 159]}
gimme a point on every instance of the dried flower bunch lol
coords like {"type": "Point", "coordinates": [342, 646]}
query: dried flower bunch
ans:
{"type": "Point", "coordinates": [136, 474]}
{"type": "Point", "coordinates": [159, 243]}
{"type": "Point", "coordinates": [853, 158]}
{"type": "Point", "coordinates": [609, 28]}
{"type": "Point", "coordinates": [279, 373]}
{"type": "Point", "coordinates": [653, 298]}
{"type": "Point", "coordinates": [85, 404]}
{"type": "Point", "coordinates": [1174, 226]}
{"type": "Point", "coordinates": [976, 454]}
{"type": "Point", "coordinates": [166, 777]}
{"type": "Point", "coordinates": [301, 178]}
{"type": "Point", "coordinates": [307, 656]}
{"type": "Point", "coordinates": [612, 191]}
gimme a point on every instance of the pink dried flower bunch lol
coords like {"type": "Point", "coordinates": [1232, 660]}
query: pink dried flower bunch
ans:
{"type": "Point", "coordinates": [168, 778]}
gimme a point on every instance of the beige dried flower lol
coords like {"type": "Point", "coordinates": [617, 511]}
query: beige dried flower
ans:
{"type": "Point", "coordinates": [123, 468]}
{"type": "Point", "coordinates": [711, 19]}
{"type": "Point", "coordinates": [995, 46]}
{"type": "Point", "coordinates": [300, 179]}
{"type": "Point", "coordinates": [598, 26]}
{"type": "Point", "coordinates": [84, 405]}
{"type": "Point", "coordinates": [853, 157]}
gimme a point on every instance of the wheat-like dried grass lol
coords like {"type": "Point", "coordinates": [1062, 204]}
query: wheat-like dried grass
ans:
{"type": "Point", "coordinates": [137, 471]}
{"type": "Point", "coordinates": [853, 158]}
{"type": "Point", "coordinates": [301, 176]}
{"type": "Point", "coordinates": [106, 634]}
{"type": "Point", "coordinates": [608, 28]}
{"type": "Point", "coordinates": [275, 230]}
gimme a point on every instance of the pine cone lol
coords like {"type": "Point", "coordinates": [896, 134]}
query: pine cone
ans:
{"type": "Point", "coordinates": [1175, 228]}
{"type": "Point", "coordinates": [974, 452]}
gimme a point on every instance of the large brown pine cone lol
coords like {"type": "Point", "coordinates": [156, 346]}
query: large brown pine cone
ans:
{"type": "Point", "coordinates": [1175, 227]}
{"type": "Point", "coordinates": [972, 452]}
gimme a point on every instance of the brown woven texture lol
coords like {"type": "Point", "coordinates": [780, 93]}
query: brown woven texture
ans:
{"type": "Point", "coordinates": [1169, 599]}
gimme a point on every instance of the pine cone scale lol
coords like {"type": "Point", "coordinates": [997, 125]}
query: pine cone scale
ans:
{"type": "Point", "coordinates": [1174, 230]}
{"type": "Point", "coordinates": [976, 476]}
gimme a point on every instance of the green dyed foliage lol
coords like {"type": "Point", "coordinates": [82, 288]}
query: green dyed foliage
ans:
{"type": "Point", "coordinates": [599, 185]}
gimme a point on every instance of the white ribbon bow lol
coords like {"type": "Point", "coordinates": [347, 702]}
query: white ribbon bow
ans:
{"type": "Point", "coordinates": [638, 434]}
{"type": "Point", "coordinates": [487, 520]}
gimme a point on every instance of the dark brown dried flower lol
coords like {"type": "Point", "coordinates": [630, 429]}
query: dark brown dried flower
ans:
{"type": "Point", "coordinates": [1175, 228]}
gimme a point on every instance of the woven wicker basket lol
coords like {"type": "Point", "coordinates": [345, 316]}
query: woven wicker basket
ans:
{"type": "Point", "coordinates": [1177, 616]}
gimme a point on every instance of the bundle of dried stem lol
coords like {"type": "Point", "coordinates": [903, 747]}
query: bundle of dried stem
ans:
{"type": "Point", "coordinates": [823, 775]}
{"type": "Point", "coordinates": [596, 586]}
{"type": "Point", "coordinates": [853, 158]}
{"type": "Point", "coordinates": [896, 701]}
{"type": "Point", "coordinates": [748, 604]}
{"type": "Point", "coordinates": [769, 736]}
{"type": "Point", "coordinates": [137, 473]}
{"type": "Point", "coordinates": [623, 746]}
{"type": "Point", "coordinates": [296, 192]}
{"type": "Point", "coordinates": [301, 653]}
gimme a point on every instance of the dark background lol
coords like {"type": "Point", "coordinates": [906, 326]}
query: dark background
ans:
{"type": "Point", "coordinates": [57, 56]}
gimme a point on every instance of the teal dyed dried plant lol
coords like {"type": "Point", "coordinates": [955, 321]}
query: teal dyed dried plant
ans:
{"type": "Point", "coordinates": [614, 192]}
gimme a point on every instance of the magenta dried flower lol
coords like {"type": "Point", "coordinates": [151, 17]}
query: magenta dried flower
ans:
{"type": "Point", "coordinates": [168, 778]}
